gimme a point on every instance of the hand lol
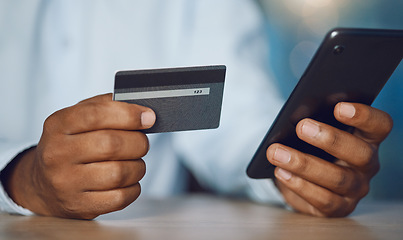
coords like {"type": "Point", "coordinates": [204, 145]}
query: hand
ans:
{"type": "Point", "coordinates": [320, 188]}
{"type": "Point", "coordinates": [88, 161]}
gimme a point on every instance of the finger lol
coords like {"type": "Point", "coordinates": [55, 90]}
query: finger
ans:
{"type": "Point", "coordinates": [99, 98]}
{"type": "Point", "coordinates": [102, 202]}
{"type": "Point", "coordinates": [338, 179]}
{"type": "Point", "coordinates": [327, 202]}
{"type": "Point", "coordinates": [105, 145]}
{"type": "Point", "coordinates": [296, 202]}
{"type": "Point", "coordinates": [372, 125]}
{"type": "Point", "coordinates": [91, 116]}
{"type": "Point", "coordinates": [338, 143]}
{"type": "Point", "coordinates": [109, 175]}
{"type": "Point", "coordinates": [114, 200]}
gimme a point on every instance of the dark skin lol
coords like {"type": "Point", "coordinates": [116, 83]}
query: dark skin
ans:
{"type": "Point", "coordinates": [88, 161]}
{"type": "Point", "coordinates": [316, 187]}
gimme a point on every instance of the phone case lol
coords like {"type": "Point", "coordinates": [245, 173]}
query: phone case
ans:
{"type": "Point", "coordinates": [351, 65]}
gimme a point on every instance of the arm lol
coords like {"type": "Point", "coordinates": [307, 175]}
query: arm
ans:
{"type": "Point", "coordinates": [314, 186]}
{"type": "Point", "coordinates": [88, 161]}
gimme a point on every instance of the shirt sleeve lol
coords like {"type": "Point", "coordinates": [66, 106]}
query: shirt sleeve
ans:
{"type": "Point", "coordinates": [8, 152]}
{"type": "Point", "coordinates": [219, 158]}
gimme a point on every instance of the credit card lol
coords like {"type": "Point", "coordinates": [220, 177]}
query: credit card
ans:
{"type": "Point", "coordinates": [186, 98]}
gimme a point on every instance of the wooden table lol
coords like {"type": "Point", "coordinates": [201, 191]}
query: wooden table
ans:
{"type": "Point", "coordinates": [208, 217]}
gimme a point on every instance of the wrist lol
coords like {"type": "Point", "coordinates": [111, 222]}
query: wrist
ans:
{"type": "Point", "coordinates": [16, 179]}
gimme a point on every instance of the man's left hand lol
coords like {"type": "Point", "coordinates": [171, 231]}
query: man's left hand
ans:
{"type": "Point", "coordinates": [317, 187]}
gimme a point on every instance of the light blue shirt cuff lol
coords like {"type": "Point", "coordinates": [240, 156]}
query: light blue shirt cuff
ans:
{"type": "Point", "coordinates": [7, 205]}
{"type": "Point", "coordinates": [265, 191]}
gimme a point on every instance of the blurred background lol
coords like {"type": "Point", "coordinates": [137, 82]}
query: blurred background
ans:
{"type": "Point", "coordinates": [296, 28]}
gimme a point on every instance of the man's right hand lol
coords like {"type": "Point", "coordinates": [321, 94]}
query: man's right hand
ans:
{"type": "Point", "coordinates": [87, 163]}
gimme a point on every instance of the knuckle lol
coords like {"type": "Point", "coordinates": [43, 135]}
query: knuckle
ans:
{"type": "Point", "coordinates": [352, 184]}
{"type": "Point", "coordinates": [49, 123]}
{"type": "Point", "coordinates": [364, 113]}
{"type": "Point", "coordinates": [77, 205]}
{"type": "Point", "coordinates": [123, 198]}
{"type": "Point", "coordinates": [336, 207]}
{"type": "Point", "coordinates": [73, 209]}
{"type": "Point", "coordinates": [366, 155]}
{"type": "Point", "coordinates": [116, 174]}
{"type": "Point", "coordinates": [349, 183]}
{"type": "Point", "coordinates": [341, 181]}
{"type": "Point", "coordinates": [57, 119]}
{"type": "Point", "coordinates": [328, 205]}
{"type": "Point", "coordinates": [364, 190]}
{"type": "Point", "coordinates": [383, 121]}
{"type": "Point", "coordinates": [312, 210]}
{"type": "Point", "coordinates": [119, 200]}
{"type": "Point", "coordinates": [332, 139]}
{"type": "Point", "coordinates": [300, 163]}
{"type": "Point", "coordinates": [144, 144]}
{"type": "Point", "coordinates": [59, 184]}
{"type": "Point", "coordinates": [298, 185]}
{"type": "Point", "coordinates": [140, 170]}
{"type": "Point", "coordinates": [386, 120]}
{"type": "Point", "coordinates": [110, 144]}
{"type": "Point", "coordinates": [91, 115]}
{"type": "Point", "coordinates": [47, 156]}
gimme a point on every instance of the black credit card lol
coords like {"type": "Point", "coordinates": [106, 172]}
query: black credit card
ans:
{"type": "Point", "coordinates": [186, 98]}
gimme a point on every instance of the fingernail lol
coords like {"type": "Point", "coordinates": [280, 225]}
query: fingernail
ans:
{"type": "Point", "coordinates": [282, 156]}
{"type": "Point", "coordinates": [347, 110]}
{"type": "Point", "coordinates": [283, 174]}
{"type": "Point", "coordinates": [310, 129]}
{"type": "Point", "coordinates": [148, 118]}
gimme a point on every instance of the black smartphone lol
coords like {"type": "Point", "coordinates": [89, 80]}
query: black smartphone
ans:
{"type": "Point", "coordinates": [351, 65]}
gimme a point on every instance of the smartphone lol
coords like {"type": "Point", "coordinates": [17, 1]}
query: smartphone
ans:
{"type": "Point", "coordinates": [350, 65]}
